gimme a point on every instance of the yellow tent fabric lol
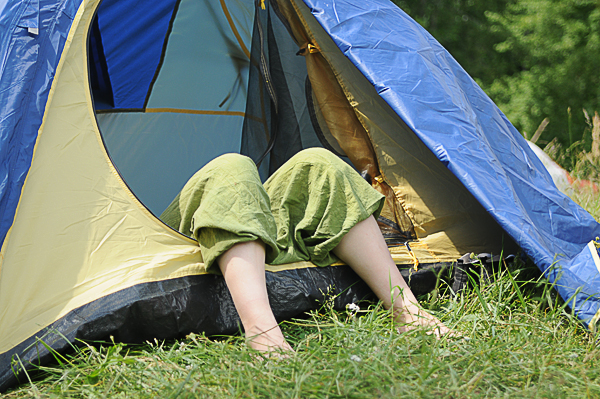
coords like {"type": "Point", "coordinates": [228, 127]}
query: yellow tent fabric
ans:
{"type": "Point", "coordinates": [448, 221]}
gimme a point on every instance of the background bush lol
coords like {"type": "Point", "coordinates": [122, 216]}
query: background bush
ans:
{"type": "Point", "coordinates": [536, 59]}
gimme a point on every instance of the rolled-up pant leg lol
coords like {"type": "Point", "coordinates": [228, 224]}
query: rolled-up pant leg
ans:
{"type": "Point", "coordinates": [309, 204]}
{"type": "Point", "coordinates": [223, 204]}
{"type": "Point", "coordinates": [316, 198]}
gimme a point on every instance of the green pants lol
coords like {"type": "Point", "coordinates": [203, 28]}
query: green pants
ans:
{"type": "Point", "coordinates": [301, 213]}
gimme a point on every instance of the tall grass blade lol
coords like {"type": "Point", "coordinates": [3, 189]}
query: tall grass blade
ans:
{"type": "Point", "coordinates": [482, 301]}
{"type": "Point", "coordinates": [516, 287]}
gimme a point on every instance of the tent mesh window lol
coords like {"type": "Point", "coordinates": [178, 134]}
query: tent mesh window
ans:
{"type": "Point", "coordinates": [281, 114]}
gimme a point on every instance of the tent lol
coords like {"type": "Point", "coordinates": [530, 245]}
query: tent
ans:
{"type": "Point", "coordinates": [107, 108]}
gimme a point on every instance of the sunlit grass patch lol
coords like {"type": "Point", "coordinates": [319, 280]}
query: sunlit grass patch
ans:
{"type": "Point", "coordinates": [589, 199]}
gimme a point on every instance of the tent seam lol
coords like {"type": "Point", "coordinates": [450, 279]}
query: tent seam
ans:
{"type": "Point", "coordinates": [109, 161]}
{"type": "Point", "coordinates": [162, 54]}
{"type": "Point", "coordinates": [234, 29]}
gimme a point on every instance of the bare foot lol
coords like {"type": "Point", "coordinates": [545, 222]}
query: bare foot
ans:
{"type": "Point", "coordinates": [268, 340]}
{"type": "Point", "coordinates": [415, 317]}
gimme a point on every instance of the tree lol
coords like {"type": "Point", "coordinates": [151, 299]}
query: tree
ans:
{"type": "Point", "coordinates": [556, 45]}
{"type": "Point", "coordinates": [535, 58]}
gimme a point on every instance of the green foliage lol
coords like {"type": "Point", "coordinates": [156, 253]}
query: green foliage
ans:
{"type": "Point", "coordinates": [587, 198]}
{"type": "Point", "coordinates": [535, 58]}
{"type": "Point", "coordinates": [557, 45]}
{"type": "Point", "coordinates": [461, 26]}
{"type": "Point", "coordinates": [583, 165]}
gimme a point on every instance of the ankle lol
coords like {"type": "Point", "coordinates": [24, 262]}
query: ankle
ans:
{"type": "Point", "coordinates": [267, 339]}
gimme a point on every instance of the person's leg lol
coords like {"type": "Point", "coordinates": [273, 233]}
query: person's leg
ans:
{"type": "Point", "coordinates": [322, 206]}
{"type": "Point", "coordinates": [365, 251]}
{"type": "Point", "coordinates": [225, 208]}
{"type": "Point", "coordinates": [243, 267]}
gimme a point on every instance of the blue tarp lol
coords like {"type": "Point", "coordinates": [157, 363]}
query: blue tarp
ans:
{"type": "Point", "coordinates": [461, 125]}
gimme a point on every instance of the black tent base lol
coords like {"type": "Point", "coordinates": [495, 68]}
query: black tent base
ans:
{"type": "Point", "coordinates": [174, 308]}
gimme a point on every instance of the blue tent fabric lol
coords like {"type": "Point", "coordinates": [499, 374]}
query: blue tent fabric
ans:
{"type": "Point", "coordinates": [458, 122]}
{"type": "Point", "coordinates": [27, 65]}
{"type": "Point", "coordinates": [140, 30]}
{"type": "Point", "coordinates": [30, 18]}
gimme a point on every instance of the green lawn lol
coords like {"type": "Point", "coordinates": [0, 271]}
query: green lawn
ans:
{"type": "Point", "coordinates": [520, 341]}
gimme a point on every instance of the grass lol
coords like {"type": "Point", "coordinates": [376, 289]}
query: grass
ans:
{"type": "Point", "coordinates": [523, 342]}
{"type": "Point", "coordinates": [589, 199]}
